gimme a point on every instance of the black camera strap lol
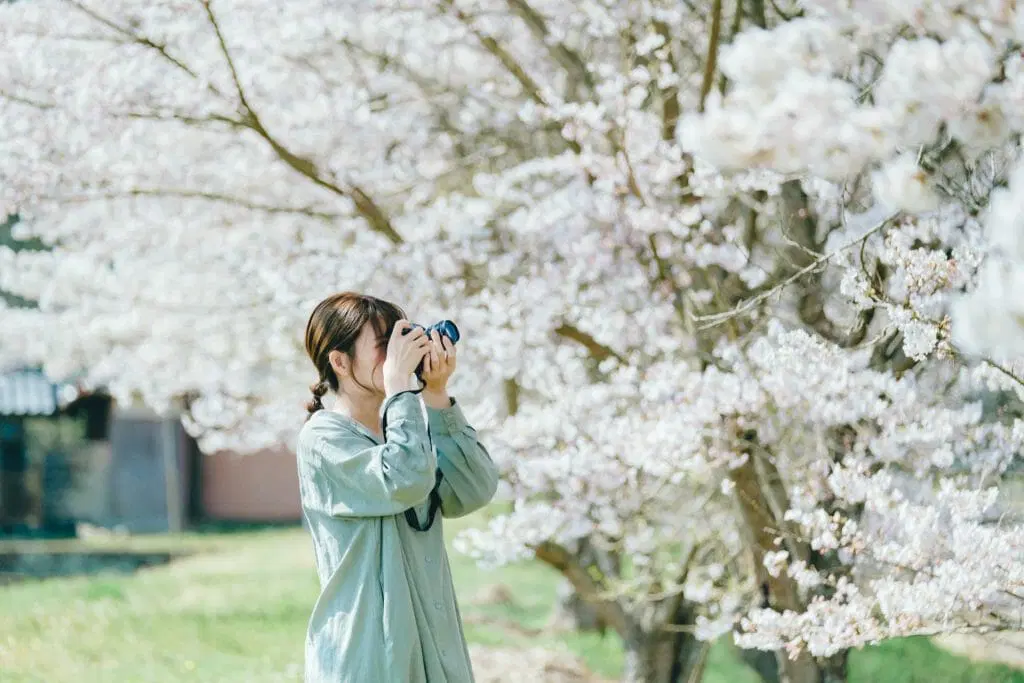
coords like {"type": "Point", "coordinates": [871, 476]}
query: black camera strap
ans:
{"type": "Point", "coordinates": [435, 497]}
{"type": "Point", "coordinates": [435, 504]}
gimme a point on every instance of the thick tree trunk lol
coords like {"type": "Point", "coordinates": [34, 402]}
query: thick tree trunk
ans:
{"type": "Point", "coordinates": [780, 591]}
{"type": "Point", "coordinates": [834, 668]}
{"type": "Point", "coordinates": [665, 656]}
{"type": "Point", "coordinates": [765, 664]}
{"type": "Point", "coordinates": [755, 499]}
{"type": "Point", "coordinates": [649, 659]}
{"type": "Point", "coordinates": [572, 611]}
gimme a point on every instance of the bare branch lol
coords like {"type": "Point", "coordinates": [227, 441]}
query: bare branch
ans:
{"type": "Point", "coordinates": [197, 194]}
{"type": "Point", "coordinates": [239, 90]}
{"type": "Point", "coordinates": [530, 86]}
{"type": "Point", "coordinates": [135, 37]}
{"type": "Point", "coordinates": [597, 350]}
{"type": "Point", "coordinates": [670, 108]}
{"type": "Point", "coordinates": [568, 59]}
{"type": "Point", "coordinates": [367, 208]}
{"type": "Point", "coordinates": [1006, 371]}
{"type": "Point", "coordinates": [719, 318]}
{"type": "Point", "coordinates": [711, 62]}
{"type": "Point", "coordinates": [138, 115]}
{"type": "Point", "coordinates": [755, 11]}
{"type": "Point", "coordinates": [28, 101]}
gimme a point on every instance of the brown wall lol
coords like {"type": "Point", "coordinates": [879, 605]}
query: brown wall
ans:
{"type": "Point", "coordinates": [262, 486]}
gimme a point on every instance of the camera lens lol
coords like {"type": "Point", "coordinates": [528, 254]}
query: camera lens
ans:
{"type": "Point", "coordinates": [448, 329]}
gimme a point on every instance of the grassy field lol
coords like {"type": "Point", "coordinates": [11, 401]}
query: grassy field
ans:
{"type": "Point", "coordinates": [236, 609]}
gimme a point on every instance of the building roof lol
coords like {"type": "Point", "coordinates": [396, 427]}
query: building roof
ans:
{"type": "Point", "coordinates": [27, 392]}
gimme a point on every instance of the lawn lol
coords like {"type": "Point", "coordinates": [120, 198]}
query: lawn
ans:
{"type": "Point", "coordinates": [235, 612]}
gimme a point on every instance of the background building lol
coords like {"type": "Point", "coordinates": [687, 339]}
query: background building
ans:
{"type": "Point", "coordinates": [68, 457]}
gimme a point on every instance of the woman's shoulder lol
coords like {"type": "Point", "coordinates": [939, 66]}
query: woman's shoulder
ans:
{"type": "Point", "coordinates": [323, 425]}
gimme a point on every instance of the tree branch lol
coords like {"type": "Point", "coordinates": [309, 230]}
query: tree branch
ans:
{"type": "Point", "coordinates": [756, 13]}
{"type": "Point", "coordinates": [711, 62]}
{"type": "Point", "coordinates": [197, 194]}
{"type": "Point", "coordinates": [568, 59]}
{"type": "Point", "coordinates": [1006, 371]}
{"type": "Point", "coordinates": [780, 592]}
{"type": "Point", "coordinates": [719, 318]}
{"type": "Point", "coordinates": [28, 101]}
{"type": "Point", "coordinates": [670, 109]}
{"type": "Point", "coordinates": [529, 85]}
{"type": "Point", "coordinates": [135, 37]}
{"type": "Point", "coordinates": [588, 587]}
{"type": "Point", "coordinates": [365, 205]}
{"type": "Point", "coordinates": [597, 350]}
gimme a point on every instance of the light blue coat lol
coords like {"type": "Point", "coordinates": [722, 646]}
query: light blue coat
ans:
{"type": "Point", "coordinates": [387, 611]}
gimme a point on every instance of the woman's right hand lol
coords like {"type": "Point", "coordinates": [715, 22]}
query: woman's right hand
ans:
{"type": "Point", "coordinates": [405, 351]}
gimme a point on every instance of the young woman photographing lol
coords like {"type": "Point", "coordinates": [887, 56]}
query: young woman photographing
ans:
{"type": "Point", "coordinates": [374, 471]}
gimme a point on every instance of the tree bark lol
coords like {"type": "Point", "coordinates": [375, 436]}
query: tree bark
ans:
{"type": "Point", "coordinates": [666, 656]}
{"type": "Point", "coordinates": [764, 663]}
{"type": "Point", "coordinates": [573, 613]}
{"type": "Point", "coordinates": [649, 658]}
{"type": "Point", "coordinates": [834, 669]}
{"type": "Point", "coordinates": [780, 592]}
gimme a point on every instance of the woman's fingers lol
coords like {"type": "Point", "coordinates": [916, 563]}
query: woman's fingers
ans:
{"type": "Point", "coordinates": [449, 349]}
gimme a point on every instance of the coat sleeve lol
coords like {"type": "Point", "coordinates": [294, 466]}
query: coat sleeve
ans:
{"type": "Point", "coordinates": [381, 480]}
{"type": "Point", "coordinates": [469, 475]}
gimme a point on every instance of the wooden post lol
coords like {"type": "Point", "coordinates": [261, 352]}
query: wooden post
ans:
{"type": "Point", "coordinates": [172, 474]}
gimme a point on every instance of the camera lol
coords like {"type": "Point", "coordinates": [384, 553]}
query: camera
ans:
{"type": "Point", "coordinates": [445, 327]}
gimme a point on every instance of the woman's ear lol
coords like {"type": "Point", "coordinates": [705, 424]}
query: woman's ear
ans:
{"type": "Point", "coordinates": [339, 363]}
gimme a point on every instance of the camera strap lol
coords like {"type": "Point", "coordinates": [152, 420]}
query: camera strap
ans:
{"type": "Point", "coordinates": [435, 496]}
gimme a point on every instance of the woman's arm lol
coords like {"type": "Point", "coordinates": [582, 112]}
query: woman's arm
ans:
{"type": "Point", "coordinates": [357, 480]}
{"type": "Point", "coordinates": [469, 476]}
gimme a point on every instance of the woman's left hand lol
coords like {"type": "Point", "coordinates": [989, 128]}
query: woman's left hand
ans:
{"type": "Point", "coordinates": [439, 363]}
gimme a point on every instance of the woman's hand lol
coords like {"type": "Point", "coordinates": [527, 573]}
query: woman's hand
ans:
{"type": "Point", "coordinates": [438, 364]}
{"type": "Point", "coordinates": [405, 351]}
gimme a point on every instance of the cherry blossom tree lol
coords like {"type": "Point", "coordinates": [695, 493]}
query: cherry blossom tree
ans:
{"type": "Point", "coordinates": [735, 278]}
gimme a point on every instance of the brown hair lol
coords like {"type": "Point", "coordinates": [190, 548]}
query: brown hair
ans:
{"type": "Point", "coordinates": [335, 325]}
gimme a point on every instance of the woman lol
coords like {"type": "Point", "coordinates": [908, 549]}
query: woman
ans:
{"type": "Point", "coordinates": [373, 472]}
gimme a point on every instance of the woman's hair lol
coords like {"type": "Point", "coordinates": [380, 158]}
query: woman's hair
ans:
{"type": "Point", "coordinates": [335, 325]}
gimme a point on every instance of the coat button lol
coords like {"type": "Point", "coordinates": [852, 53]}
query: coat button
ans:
{"type": "Point", "coordinates": [437, 605]}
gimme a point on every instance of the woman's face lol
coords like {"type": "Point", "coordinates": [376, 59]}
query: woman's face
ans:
{"type": "Point", "coordinates": [368, 363]}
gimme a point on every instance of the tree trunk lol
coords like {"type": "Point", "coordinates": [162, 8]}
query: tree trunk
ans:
{"type": "Point", "coordinates": [754, 497]}
{"type": "Point", "coordinates": [834, 668]}
{"type": "Point", "coordinates": [764, 663]}
{"type": "Point", "coordinates": [664, 657]}
{"type": "Point", "coordinates": [780, 591]}
{"type": "Point", "coordinates": [572, 611]}
{"type": "Point", "coordinates": [649, 659]}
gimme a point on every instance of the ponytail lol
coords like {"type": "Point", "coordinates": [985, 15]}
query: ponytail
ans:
{"type": "Point", "coordinates": [319, 390]}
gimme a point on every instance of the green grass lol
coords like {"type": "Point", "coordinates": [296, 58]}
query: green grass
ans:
{"type": "Point", "coordinates": [235, 611]}
{"type": "Point", "coordinates": [917, 660]}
